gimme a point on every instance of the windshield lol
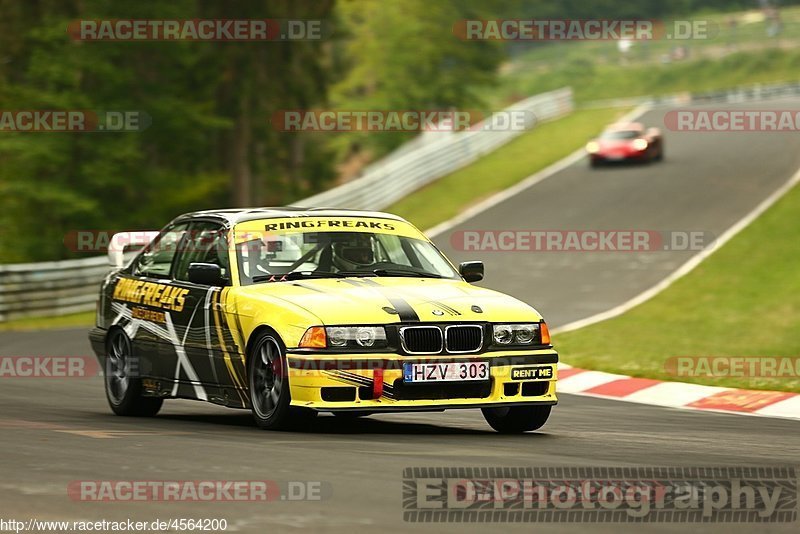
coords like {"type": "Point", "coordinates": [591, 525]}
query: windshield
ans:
{"type": "Point", "coordinates": [621, 134]}
{"type": "Point", "coordinates": [326, 254]}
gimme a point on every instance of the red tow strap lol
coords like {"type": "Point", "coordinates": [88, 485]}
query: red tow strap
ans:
{"type": "Point", "coordinates": [377, 383]}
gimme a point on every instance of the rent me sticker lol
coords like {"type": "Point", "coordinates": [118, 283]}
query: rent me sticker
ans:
{"type": "Point", "coordinates": [538, 372]}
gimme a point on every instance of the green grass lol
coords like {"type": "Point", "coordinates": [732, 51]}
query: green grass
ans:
{"type": "Point", "coordinates": [596, 70]}
{"type": "Point", "coordinates": [742, 301]}
{"type": "Point", "coordinates": [75, 320]}
{"type": "Point", "coordinates": [522, 157]}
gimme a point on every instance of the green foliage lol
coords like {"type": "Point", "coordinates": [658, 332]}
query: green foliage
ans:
{"type": "Point", "coordinates": [211, 143]}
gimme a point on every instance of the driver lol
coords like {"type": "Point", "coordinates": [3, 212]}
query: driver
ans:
{"type": "Point", "coordinates": [354, 255]}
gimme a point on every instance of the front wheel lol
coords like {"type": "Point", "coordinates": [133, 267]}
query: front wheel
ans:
{"type": "Point", "coordinates": [269, 386]}
{"type": "Point", "coordinates": [516, 419]}
{"type": "Point", "coordinates": [123, 385]}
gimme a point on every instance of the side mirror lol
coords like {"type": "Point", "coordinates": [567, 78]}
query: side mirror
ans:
{"type": "Point", "coordinates": [207, 274]}
{"type": "Point", "coordinates": [472, 271]}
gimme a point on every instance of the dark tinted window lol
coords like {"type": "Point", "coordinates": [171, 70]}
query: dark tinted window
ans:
{"type": "Point", "coordinates": [621, 134]}
{"type": "Point", "coordinates": [156, 260]}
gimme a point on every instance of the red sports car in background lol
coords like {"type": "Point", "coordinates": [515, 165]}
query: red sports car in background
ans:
{"type": "Point", "coordinates": [626, 142]}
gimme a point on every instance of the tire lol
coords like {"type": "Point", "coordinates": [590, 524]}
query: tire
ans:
{"type": "Point", "coordinates": [268, 381]}
{"type": "Point", "coordinates": [516, 419]}
{"type": "Point", "coordinates": [123, 388]}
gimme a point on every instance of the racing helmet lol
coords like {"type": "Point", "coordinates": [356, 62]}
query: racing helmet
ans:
{"type": "Point", "coordinates": [354, 254]}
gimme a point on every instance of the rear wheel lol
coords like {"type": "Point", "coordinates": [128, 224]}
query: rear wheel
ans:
{"type": "Point", "coordinates": [269, 386]}
{"type": "Point", "coordinates": [516, 419]}
{"type": "Point", "coordinates": [122, 384]}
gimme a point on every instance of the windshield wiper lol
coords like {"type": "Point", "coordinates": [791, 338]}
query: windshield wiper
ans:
{"type": "Point", "coordinates": [400, 272]}
{"type": "Point", "coordinates": [294, 275]}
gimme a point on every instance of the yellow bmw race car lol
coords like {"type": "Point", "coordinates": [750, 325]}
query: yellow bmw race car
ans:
{"type": "Point", "coordinates": [289, 312]}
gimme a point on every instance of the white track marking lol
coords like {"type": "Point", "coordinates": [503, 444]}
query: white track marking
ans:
{"type": "Point", "coordinates": [586, 380]}
{"type": "Point", "coordinates": [785, 408]}
{"type": "Point", "coordinates": [675, 394]}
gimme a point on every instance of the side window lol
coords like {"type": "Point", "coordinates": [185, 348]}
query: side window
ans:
{"type": "Point", "coordinates": [156, 260]}
{"type": "Point", "coordinates": [205, 243]}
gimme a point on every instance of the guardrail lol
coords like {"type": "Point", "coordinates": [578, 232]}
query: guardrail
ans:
{"type": "Point", "coordinates": [745, 93]}
{"type": "Point", "coordinates": [50, 288]}
{"type": "Point", "coordinates": [435, 154]}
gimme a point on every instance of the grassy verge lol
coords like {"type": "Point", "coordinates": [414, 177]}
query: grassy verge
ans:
{"type": "Point", "coordinates": [592, 81]}
{"type": "Point", "coordinates": [740, 302]}
{"type": "Point", "coordinates": [732, 55]}
{"type": "Point", "coordinates": [503, 168]}
{"type": "Point", "coordinates": [75, 320]}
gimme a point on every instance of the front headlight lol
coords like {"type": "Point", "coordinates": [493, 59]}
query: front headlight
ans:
{"type": "Point", "coordinates": [640, 144]}
{"type": "Point", "coordinates": [592, 147]}
{"type": "Point", "coordinates": [363, 337]}
{"type": "Point", "coordinates": [516, 334]}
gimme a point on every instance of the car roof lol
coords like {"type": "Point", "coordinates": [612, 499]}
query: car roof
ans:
{"type": "Point", "coordinates": [233, 216]}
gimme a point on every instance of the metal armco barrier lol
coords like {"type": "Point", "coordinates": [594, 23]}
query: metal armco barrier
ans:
{"type": "Point", "coordinates": [50, 288]}
{"type": "Point", "coordinates": [433, 155]}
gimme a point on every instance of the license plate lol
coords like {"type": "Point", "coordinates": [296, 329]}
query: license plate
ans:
{"type": "Point", "coordinates": [445, 372]}
{"type": "Point", "coordinates": [615, 157]}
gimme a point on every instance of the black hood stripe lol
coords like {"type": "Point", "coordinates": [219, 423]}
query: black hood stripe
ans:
{"type": "Point", "coordinates": [403, 308]}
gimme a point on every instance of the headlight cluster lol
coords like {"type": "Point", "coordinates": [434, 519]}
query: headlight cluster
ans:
{"type": "Point", "coordinates": [516, 334]}
{"type": "Point", "coordinates": [364, 337]}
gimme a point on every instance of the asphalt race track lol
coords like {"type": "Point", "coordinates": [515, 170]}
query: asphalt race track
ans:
{"type": "Point", "coordinates": [54, 431]}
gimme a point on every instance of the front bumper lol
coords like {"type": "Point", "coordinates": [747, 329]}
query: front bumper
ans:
{"type": "Point", "coordinates": [374, 382]}
{"type": "Point", "coordinates": [619, 157]}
